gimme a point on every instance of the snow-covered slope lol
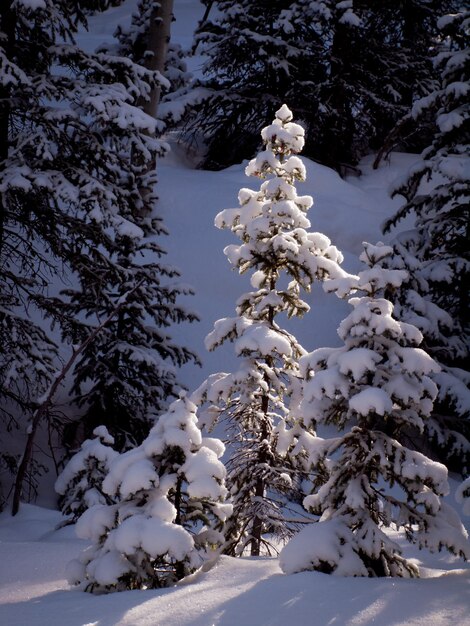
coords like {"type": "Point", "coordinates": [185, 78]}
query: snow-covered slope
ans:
{"type": "Point", "coordinates": [348, 211]}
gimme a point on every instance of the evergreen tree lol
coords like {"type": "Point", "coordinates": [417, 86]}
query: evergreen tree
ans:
{"type": "Point", "coordinates": [256, 54]}
{"type": "Point", "coordinates": [77, 208]}
{"type": "Point", "coordinates": [27, 228]}
{"type": "Point", "coordinates": [80, 484]}
{"type": "Point", "coordinates": [259, 400]}
{"type": "Point", "coordinates": [131, 366]}
{"type": "Point", "coordinates": [379, 63]}
{"type": "Point", "coordinates": [168, 512]}
{"type": "Point", "coordinates": [350, 69]}
{"type": "Point", "coordinates": [372, 388]}
{"type": "Point", "coordinates": [436, 297]}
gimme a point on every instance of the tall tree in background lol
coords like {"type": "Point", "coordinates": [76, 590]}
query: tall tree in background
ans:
{"type": "Point", "coordinates": [256, 55]}
{"type": "Point", "coordinates": [130, 366]}
{"type": "Point", "coordinates": [436, 251]}
{"type": "Point", "coordinates": [258, 401]}
{"type": "Point", "coordinates": [75, 154]}
{"type": "Point", "coordinates": [350, 70]}
{"type": "Point", "coordinates": [378, 61]}
{"type": "Point", "coordinates": [36, 140]}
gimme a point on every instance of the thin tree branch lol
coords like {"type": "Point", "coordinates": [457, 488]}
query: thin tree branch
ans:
{"type": "Point", "coordinates": [46, 403]}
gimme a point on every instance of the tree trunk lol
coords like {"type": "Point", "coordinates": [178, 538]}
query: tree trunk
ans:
{"type": "Point", "coordinates": [158, 39]}
{"type": "Point", "coordinates": [413, 40]}
{"type": "Point", "coordinates": [157, 44]}
{"type": "Point", "coordinates": [179, 566]}
{"type": "Point", "coordinates": [7, 26]}
{"type": "Point", "coordinates": [338, 137]}
{"type": "Point", "coordinates": [260, 489]}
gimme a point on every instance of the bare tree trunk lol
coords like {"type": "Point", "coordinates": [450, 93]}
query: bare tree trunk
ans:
{"type": "Point", "coordinates": [45, 405]}
{"type": "Point", "coordinates": [158, 40]}
{"type": "Point", "coordinates": [156, 51]}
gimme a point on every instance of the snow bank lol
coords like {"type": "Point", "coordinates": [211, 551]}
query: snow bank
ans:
{"type": "Point", "coordinates": [251, 592]}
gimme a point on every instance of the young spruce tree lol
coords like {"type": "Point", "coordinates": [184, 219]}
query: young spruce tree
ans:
{"type": "Point", "coordinates": [80, 484]}
{"type": "Point", "coordinates": [258, 401]}
{"type": "Point", "coordinates": [372, 388]}
{"type": "Point", "coordinates": [168, 513]}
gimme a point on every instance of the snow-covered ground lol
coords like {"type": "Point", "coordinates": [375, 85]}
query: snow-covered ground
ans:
{"type": "Point", "coordinates": [236, 592]}
{"type": "Point", "coordinates": [241, 592]}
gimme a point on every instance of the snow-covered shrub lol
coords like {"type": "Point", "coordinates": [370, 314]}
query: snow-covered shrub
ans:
{"type": "Point", "coordinates": [169, 513]}
{"type": "Point", "coordinates": [372, 388]}
{"type": "Point", "coordinates": [80, 484]}
{"type": "Point", "coordinates": [258, 401]}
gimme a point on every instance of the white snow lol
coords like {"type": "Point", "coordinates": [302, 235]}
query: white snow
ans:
{"type": "Point", "coordinates": [263, 340]}
{"type": "Point", "coordinates": [370, 400]}
{"type": "Point", "coordinates": [357, 362]}
{"type": "Point", "coordinates": [237, 591]}
{"type": "Point", "coordinates": [321, 543]}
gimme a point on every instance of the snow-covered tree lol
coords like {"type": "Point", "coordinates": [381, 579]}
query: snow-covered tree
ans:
{"type": "Point", "coordinates": [255, 59]}
{"type": "Point", "coordinates": [132, 364]}
{"type": "Point", "coordinates": [373, 388]}
{"type": "Point", "coordinates": [169, 510]}
{"type": "Point", "coordinates": [80, 484]}
{"type": "Point", "coordinates": [77, 210]}
{"type": "Point", "coordinates": [351, 70]}
{"type": "Point", "coordinates": [258, 401]}
{"type": "Point", "coordinates": [436, 297]}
